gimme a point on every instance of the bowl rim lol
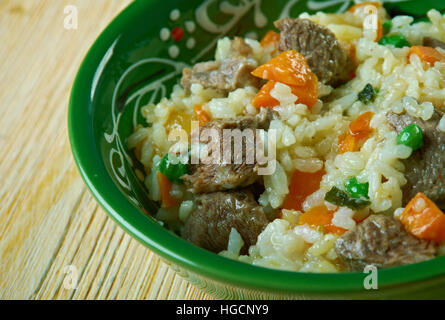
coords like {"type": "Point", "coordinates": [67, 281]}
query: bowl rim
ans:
{"type": "Point", "coordinates": [170, 246]}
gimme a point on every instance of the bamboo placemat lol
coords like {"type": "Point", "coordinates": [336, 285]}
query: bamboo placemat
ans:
{"type": "Point", "coordinates": [51, 229]}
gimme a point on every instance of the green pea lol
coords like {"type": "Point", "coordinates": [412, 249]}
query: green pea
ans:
{"type": "Point", "coordinates": [172, 170]}
{"type": "Point", "coordinates": [387, 26]}
{"type": "Point", "coordinates": [411, 136]}
{"type": "Point", "coordinates": [396, 40]}
{"type": "Point", "coordinates": [356, 189]}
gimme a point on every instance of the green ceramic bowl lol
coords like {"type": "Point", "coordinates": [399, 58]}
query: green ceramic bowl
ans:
{"type": "Point", "coordinates": [137, 59]}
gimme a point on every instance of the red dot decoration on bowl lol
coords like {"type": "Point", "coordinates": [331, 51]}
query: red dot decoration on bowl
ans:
{"type": "Point", "coordinates": [177, 34]}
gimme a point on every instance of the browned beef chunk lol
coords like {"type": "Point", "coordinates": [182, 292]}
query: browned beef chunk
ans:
{"type": "Point", "coordinates": [210, 224]}
{"type": "Point", "coordinates": [381, 241]}
{"type": "Point", "coordinates": [425, 169]}
{"type": "Point", "coordinates": [232, 73]}
{"type": "Point", "coordinates": [215, 177]}
{"type": "Point", "coordinates": [433, 43]}
{"type": "Point", "coordinates": [205, 178]}
{"type": "Point", "coordinates": [239, 48]}
{"type": "Point", "coordinates": [324, 54]}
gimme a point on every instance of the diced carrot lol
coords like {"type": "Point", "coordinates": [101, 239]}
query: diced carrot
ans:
{"type": "Point", "coordinates": [320, 216]}
{"type": "Point", "coordinates": [302, 185]}
{"type": "Point", "coordinates": [201, 115]}
{"type": "Point", "coordinates": [424, 219]}
{"type": "Point", "coordinates": [357, 6]}
{"type": "Point", "coordinates": [360, 127]}
{"type": "Point", "coordinates": [427, 54]}
{"type": "Point", "coordinates": [352, 51]}
{"type": "Point", "coordinates": [359, 132]}
{"type": "Point", "coordinates": [263, 99]}
{"type": "Point", "coordinates": [307, 95]}
{"type": "Point", "coordinates": [165, 186]}
{"type": "Point", "coordinates": [379, 30]}
{"type": "Point", "coordinates": [271, 38]}
{"type": "Point", "coordinates": [289, 67]}
{"type": "Point", "coordinates": [347, 143]}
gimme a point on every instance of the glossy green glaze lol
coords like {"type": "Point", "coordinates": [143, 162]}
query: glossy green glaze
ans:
{"type": "Point", "coordinates": [135, 61]}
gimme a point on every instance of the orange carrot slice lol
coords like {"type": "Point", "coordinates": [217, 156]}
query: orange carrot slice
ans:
{"type": "Point", "coordinates": [360, 127]}
{"type": "Point", "coordinates": [270, 38]}
{"type": "Point", "coordinates": [165, 186]}
{"type": "Point", "coordinates": [424, 219]}
{"type": "Point", "coordinates": [320, 216]}
{"type": "Point", "coordinates": [379, 30]}
{"type": "Point", "coordinates": [427, 54]}
{"type": "Point", "coordinates": [289, 67]}
{"type": "Point", "coordinates": [359, 132]}
{"type": "Point", "coordinates": [302, 185]}
{"type": "Point", "coordinates": [263, 99]}
{"type": "Point", "coordinates": [307, 94]}
{"type": "Point", "coordinates": [347, 143]}
{"type": "Point", "coordinates": [201, 115]}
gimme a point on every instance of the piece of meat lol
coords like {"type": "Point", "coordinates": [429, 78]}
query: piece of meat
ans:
{"type": "Point", "coordinates": [232, 73]}
{"type": "Point", "coordinates": [210, 224]}
{"type": "Point", "coordinates": [215, 177]}
{"type": "Point", "coordinates": [383, 242]}
{"type": "Point", "coordinates": [239, 48]}
{"type": "Point", "coordinates": [425, 168]}
{"type": "Point", "coordinates": [205, 178]}
{"type": "Point", "coordinates": [433, 43]}
{"type": "Point", "coordinates": [325, 56]}
{"type": "Point", "coordinates": [200, 73]}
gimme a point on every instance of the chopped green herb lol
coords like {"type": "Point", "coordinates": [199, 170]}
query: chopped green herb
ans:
{"type": "Point", "coordinates": [396, 40]}
{"type": "Point", "coordinates": [342, 199]}
{"type": "Point", "coordinates": [368, 94]}
{"type": "Point", "coordinates": [387, 26]}
{"type": "Point", "coordinates": [411, 136]}
{"type": "Point", "coordinates": [173, 170]}
{"type": "Point", "coordinates": [356, 189]}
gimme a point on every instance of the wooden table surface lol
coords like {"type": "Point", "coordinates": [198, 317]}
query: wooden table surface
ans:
{"type": "Point", "coordinates": [52, 231]}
